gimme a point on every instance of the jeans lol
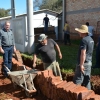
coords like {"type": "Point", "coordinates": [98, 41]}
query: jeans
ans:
{"type": "Point", "coordinates": [7, 58]}
{"type": "Point", "coordinates": [83, 79]}
{"type": "Point", "coordinates": [66, 38]}
{"type": "Point", "coordinates": [46, 28]}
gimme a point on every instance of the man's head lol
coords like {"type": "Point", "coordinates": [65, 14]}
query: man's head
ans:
{"type": "Point", "coordinates": [7, 25]}
{"type": "Point", "coordinates": [43, 39]}
{"type": "Point", "coordinates": [46, 15]}
{"type": "Point", "coordinates": [87, 23]}
{"type": "Point", "coordinates": [83, 30]}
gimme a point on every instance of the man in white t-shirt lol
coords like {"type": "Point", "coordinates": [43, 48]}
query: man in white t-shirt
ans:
{"type": "Point", "coordinates": [90, 29]}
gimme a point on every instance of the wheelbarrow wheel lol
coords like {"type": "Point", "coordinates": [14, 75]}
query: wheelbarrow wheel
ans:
{"type": "Point", "coordinates": [28, 94]}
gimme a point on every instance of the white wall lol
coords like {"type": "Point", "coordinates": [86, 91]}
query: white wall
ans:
{"type": "Point", "coordinates": [19, 28]}
{"type": "Point", "coordinates": [38, 21]}
{"type": "Point", "coordinates": [19, 31]}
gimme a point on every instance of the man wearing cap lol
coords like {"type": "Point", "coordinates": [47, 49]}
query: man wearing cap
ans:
{"type": "Point", "coordinates": [84, 60]}
{"type": "Point", "coordinates": [48, 54]}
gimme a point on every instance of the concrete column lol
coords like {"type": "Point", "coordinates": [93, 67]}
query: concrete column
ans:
{"type": "Point", "coordinates": [30, 26]}
{"type": "Point", "coordinates": [13, 9]}
{"type": "Point", "coordinates": [63, 16]}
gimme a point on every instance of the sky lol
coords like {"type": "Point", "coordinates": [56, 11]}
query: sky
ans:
{"type": "Point", "coordinates": [20, 5]}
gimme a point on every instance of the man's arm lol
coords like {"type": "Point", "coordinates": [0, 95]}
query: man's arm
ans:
{"type": "Point", "coordinates": [82, 59]}
{"type": "Point", "coordinates": [34, 60]}
{"type": "Point", "coordinates": [43, 21]}
{"type": "Point", "coordinates": [14, 43]}
{"type": "Point", "coordinates": [1, 50]}
{"type": "Point", "coordinates": [59, 52]}
{"type": "Point", "coordinates": [49, 22]}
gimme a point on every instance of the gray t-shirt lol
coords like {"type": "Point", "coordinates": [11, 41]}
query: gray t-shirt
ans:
{"type": "Point", "coordinates": [88, 44]}
{"type": "Point", "coordinates": [47, 52]}
{"type": "Point", "coordinates": [6, 38]}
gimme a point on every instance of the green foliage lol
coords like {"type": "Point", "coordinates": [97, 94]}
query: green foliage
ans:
{"type": "Point", "coordinates": [0, 55]}
{"type": "Point", "coordinates": [4, 13]}
{"type": "Point", "coordinates": [68, 71]}
{"type": "Point", "coordinates": [55, 5]}
{"type": "Point", "coordinates": [26, 55]}
{"type": "Point", "coordinates": [30, 56]}
{"type": "Point", "coordinates": [69, 53]}
{"type": "Point", "coordinates": [95, 71]}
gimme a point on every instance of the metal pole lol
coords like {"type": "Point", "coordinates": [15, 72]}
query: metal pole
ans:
{"type": "Point", "coordinates": [63, 16]}
{"type": "Point", "coordinates": [13, 9]}
{"type": "Point", "coordinates": [30, 26]}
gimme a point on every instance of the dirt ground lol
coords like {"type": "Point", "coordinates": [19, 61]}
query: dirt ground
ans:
{"type": "Point", "coordinates": [8, 92]}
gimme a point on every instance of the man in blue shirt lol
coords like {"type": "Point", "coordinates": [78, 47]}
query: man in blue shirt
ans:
{"type": "Point", "coordinates": [46, 23]}
{"type": "Point", "coordinates": [7, 46]}
{"type": "Point", "coordinates": [84, 60]}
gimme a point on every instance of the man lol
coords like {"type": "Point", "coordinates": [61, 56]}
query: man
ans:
{"type": "Point", "coordinates": [48, 54]}
{"type": "Point", "coordinates": [84, 61]}
{"type": "Point", "coordinates": [90, 29]}
{"type": "Point", "coordinates": [66, 33]}
{"type": "Point", "coordinates": [46, 23]}
{"type": "Point", "coordinates": [7, 46]}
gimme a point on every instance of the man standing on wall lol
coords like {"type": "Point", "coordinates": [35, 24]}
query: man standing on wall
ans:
{"type": "Point", "coordinates": [90, 30]}
{"type": "Point", "coordinates": [84, 61]}
{"type": "Point", "coordinates": [46, 22]}
{"type": "Point", "coordinates": [46, 48]}
{"type": "Point", "coordinates": [7, 46]}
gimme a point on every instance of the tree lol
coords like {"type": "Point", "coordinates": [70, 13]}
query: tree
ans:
{"type": "Point", "coordinates": [4, 13]}
{"type": "Point", "coordinates": [36, 4]}
{"type": "Point", "coordinates": [55, 5]}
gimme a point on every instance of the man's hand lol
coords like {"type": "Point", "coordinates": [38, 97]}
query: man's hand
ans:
{"type": "Point", "coordinates": [14, 49]}
{"type": "Point", "coordinates": [34, 65]}
{"type": "Point", "coordinates": [82, 68]}
{"type": "Point", "coordinates": [60, 55]}
{"type": "Point", "coordinates": [1, 50]}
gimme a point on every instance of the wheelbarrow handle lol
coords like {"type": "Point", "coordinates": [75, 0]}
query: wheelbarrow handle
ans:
{"type": "Point", "coordinates": [7, 68]}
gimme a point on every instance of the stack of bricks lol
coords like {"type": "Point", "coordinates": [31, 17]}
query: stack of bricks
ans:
{"type": "Point", "coordinates": [18, 57]}
{"type": "Point", "coordinates": [16, 65]}
{"type": "Point", "coordinates": [56, 89]}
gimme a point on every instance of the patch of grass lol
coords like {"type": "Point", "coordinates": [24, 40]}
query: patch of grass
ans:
{"type": "Point", "coordinates": [26, 55]}
{"type": "Point", "coordinates": [0, 55]}
{"type": "Point", "coordinates": [69, 58]}
{"type": "Point", "coordinates": [69, 53]}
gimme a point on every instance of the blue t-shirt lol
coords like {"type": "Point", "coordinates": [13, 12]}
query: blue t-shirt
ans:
{"type": "Point", "coordinates": [46, 19]}
{"type": "Point", "coordinates": [88, 44]}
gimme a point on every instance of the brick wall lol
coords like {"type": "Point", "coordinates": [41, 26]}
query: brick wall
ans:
{"type": "Point", "coordinates": [55, 89]}
{"type": "Point", "coordinates": [78, 12]}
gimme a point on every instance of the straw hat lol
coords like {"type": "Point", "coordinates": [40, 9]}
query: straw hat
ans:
{"type": "Point", "coordinates": [82, 29]}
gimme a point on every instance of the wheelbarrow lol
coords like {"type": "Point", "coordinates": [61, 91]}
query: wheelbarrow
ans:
{"type": "Point", "coordinates": [24, 79]}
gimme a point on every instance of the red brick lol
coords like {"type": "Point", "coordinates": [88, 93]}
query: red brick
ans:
{"type": "Point", "coordinates": [85, 94]}
{"type": "Point", "coordinates": [95, 97]}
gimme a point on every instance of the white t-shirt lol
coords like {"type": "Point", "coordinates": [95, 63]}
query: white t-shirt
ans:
{"type": "Point", "coordinates": [90, 30]}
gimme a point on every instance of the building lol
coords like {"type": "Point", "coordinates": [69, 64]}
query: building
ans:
{"type": "Point", "coordinates": [19, 26]}
{"type": "Point", "coordinates": [79, 12]}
